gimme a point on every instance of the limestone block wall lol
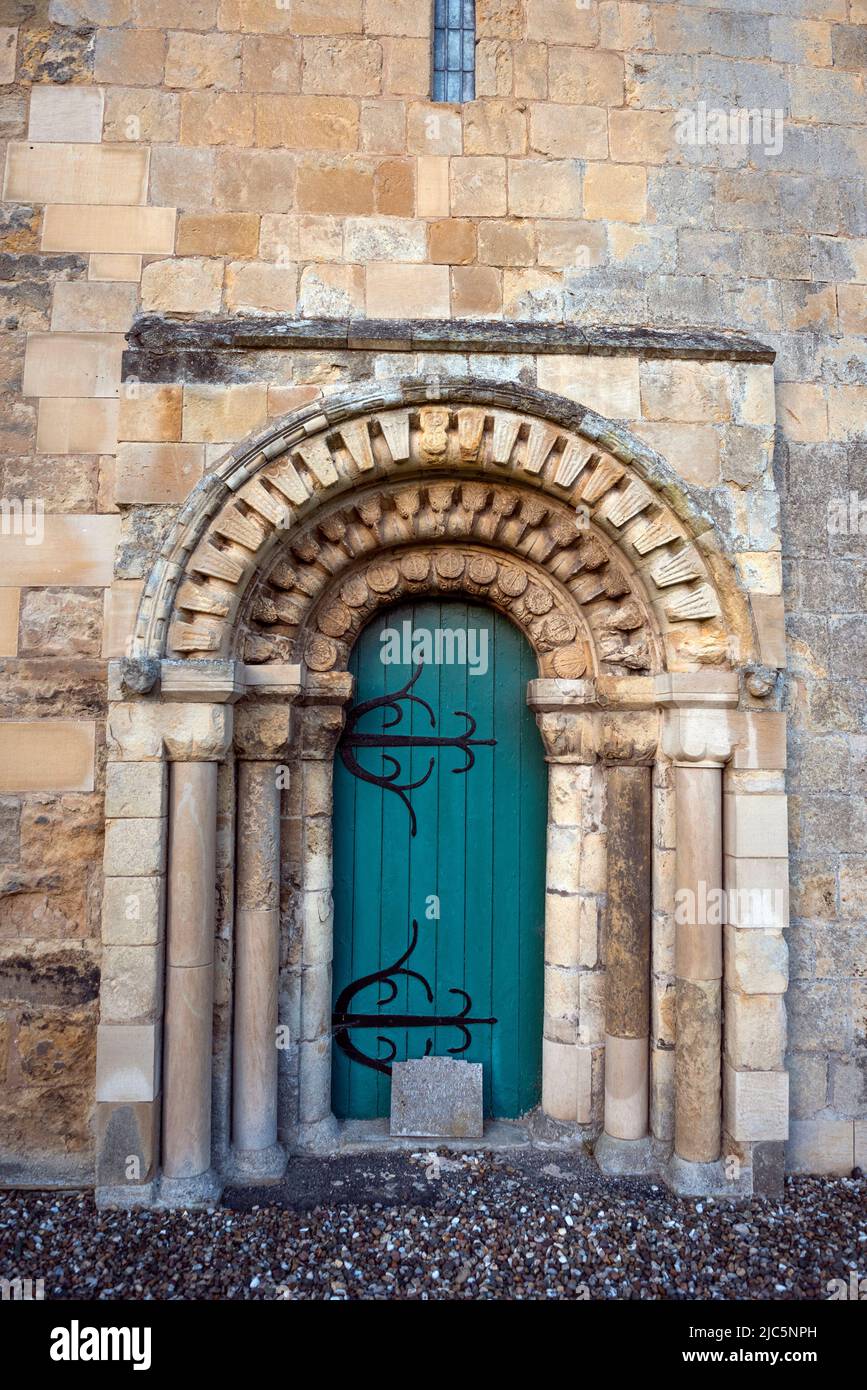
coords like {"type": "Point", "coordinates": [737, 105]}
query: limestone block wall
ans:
{"type": "Point", "coordinates": [207, 158]}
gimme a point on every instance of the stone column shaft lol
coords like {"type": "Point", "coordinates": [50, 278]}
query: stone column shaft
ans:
{"type": "Point", "coordinates": [698, 963]}
{"type": "Point", "coordinates": [627, 987]}
{"type": "Point", "coordinates": [189, 970]}
{"type": "Point", "coordinates": [254, 1068]}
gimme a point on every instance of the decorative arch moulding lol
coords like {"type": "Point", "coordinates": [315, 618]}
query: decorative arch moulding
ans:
{"type": "Point", "coordinates": [602, 554]}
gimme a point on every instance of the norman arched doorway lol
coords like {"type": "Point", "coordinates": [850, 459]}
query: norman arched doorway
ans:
{"type": "Point", "coordinates": [662, 742]}
{"type": "Point", "coordinates": [439, 857]}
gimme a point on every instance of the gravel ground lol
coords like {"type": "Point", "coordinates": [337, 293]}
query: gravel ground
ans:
{"type": "Point", "coordinates": [523, 1225]}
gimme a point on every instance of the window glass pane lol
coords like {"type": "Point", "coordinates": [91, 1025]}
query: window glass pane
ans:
{"type": "Point", "coordinates": [454, 50]}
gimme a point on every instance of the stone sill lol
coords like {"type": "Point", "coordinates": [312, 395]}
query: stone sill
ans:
{"type": "Point", "coordinates": [162, 334]}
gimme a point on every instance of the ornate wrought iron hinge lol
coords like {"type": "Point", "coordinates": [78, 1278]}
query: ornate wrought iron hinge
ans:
{"type": "Point", "coordinates": [344, 1021]}
{"type": "Point", "coordinates": [352, 740]}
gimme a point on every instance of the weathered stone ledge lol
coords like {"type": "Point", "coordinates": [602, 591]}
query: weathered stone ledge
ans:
{"type": "Point", "coordinates": [162, 334]}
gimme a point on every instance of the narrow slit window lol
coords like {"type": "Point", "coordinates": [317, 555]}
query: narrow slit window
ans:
{"type": "Point", "coordinates": [454, 76]}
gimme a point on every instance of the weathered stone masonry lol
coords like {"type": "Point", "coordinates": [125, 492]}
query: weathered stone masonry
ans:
{"type": "Point", "coordinates": [270, 197]}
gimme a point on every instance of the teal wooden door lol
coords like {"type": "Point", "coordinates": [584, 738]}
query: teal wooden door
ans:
{"type": "Point", "coordinates": [467, 977]}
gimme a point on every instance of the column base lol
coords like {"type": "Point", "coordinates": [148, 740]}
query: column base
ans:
{"type": "Point", "coordinates": [631, 1158]}
{"type": "Point", "coordinates": [320, 1136]}
{"type": "Point", "coordinates": [127, 1196]}
{"type": "Point", "coordinates": [201, 1191]}
{"type": "Point", "coordinates": [256, 1165]}
{"type": "Point", "coordinates": [689, 1179]}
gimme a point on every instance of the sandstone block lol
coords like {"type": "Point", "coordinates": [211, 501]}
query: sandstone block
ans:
{"type": "Point", "coordinates": [325, 16]}
{"type": "Point", "coordinates": [407, 291]}
{"type": "Point", "coordinates": [183, 286]}
{"type": "Point", "coordinates": [72, 364]}
{"type": "Point", "coordinates": [847, 410]}
{"type": "Point", "coordinates": [68, 173]}
{"type": "Point", "coordinates": [494, 127]}
{"type": "Point", "coordinates": [756, 962]}
{"type": "Point", "coordinates": [566, 1078]}
{"type": "Point", "coordinates": [80, 306]}
{"type": "Point", "coordinates": [133, 909]}
{"type": "Point", "coordinates": [74, 551]}
{"type": "Point", "coordinates": [821, 1146]}
{"type": "Point", "coordinates": [433, 128]}
{"type": "Point", "coordinates": [46, 755]}
{"type": "Point", "coordinates": [217, 118]}
{"type": "Point", "coordinates": [218, 413]}
{"type": "Point", "coordinates": [71, 113]}
{"type": "Point", "coordinates": [113, 268]}
{"type": "Point", "coordinates": [755, 1104]}
{"type": "Point", "coordinates": [404, 18]}
{"type": "Point", "coordinates": [571, 245]}
{"type": "Point", "coordinates": [150, 412]}
{"type": "Point", "coordinates": [341, 188]}
{"type": "Point", "coordinates": [9, 601]}
{"type": "Point", "coordinates": [263, 181]}
{"type": "Point", "coordinates": [561, 21]}
{"type": "Point", "coordinates": [385, 239]}
{"type": "Point", "coordinates": [150, 231]}
{"type": "Point", "coordinates": [568, 132]}
{"type": "Point", "coordinates": [141, 114]}
{"type": "Point", "coordinates": [157, 473]}
{"type": "Point", "coordinates": [615, 192]}
{"type": "Point", "coordinates": [585, 77]}
{"type": "Point", "coordinates": [406, 67]}
{"type": "Point", "coordinates": [544, 188]}
{"type": "Point", "coordinates": [8, 49]}
{"type": "Point", "coordinates": [258, 286]}
{"type": "Point", "coordinates": [452, 242]}
{"type": "Point", "coordinates": [432, 185]}
{"type": "Point", "coordinates": [307, 122]}
{"type": "Point", "coordinates": [507, 243]}
{"type": "Point", "coordinates": [128, 1058]}
{"type": "Point", "coordinates": [130, 57]}
{"type": "Point", "coordinates": [271, 63]}
{"type": "Point", "coordinates": [478, 186]}
{"type": "Point", "coordinates": [330, 291]}
{"type": "Point", "coordinates": [606, 384]}
{"type": "Point", "coordinates": [383, 126]}
{"type": "Point", "coordinates": [641, 137]}
{"type": "Point", "coordinates": [685, 391]}
{"type": "Point", "coordinates": [755, 826]}
{"type": "Point", "coordinates": [77, 426]}
{"type": "Point", "coordinates": [755, 1030]}
{"type": "Point", "coordinates": [342, 66]}
{"type": "Point", "coordinates": [132, 983]}
{"type": "Point", "coordinates": [121, 607]}
{"type": "Point", "coordinates": [203, 60]}
{"type": "Point", "coordinates": [394, 187]}
{"type": "Point", "coordinates": [127, 1143]}
{"type": "Point", "coordinates": [477, 292]}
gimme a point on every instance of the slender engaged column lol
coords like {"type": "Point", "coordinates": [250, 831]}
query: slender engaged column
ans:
{"type": "Point", "coordinates": [627, 987]}
{"type": "Point", "coordinates": [262, 732]}
{"type": "Point", "coordinates": [254, 1070]}
{"type": "Point", "coordinates": [190, 970]}
{"type": "Point", "coordinates": [698, 963]}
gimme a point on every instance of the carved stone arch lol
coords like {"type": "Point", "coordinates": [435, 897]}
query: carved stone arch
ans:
{"type": "Point", "coordinates": [269, 491]}
{"type": "Point", "coordinates": [583, 606]}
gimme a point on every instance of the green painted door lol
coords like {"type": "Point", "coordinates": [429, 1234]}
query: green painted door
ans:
{"type": "Point", "coordinates": [467, 978]}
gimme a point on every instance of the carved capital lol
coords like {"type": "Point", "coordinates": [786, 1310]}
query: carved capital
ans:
{"type": "Point", "coordinates": [699, 737]}
{"type": "Point", "coordinates": [320, 727]}
{"type": "Point", "coordinates": [629, 737]}
{"type": "Point", "coordinates": [148, 731]}
{"type": "Point", "coordinates": [569, 736]}
{"type": "Point", "coordinates": [263, 730]}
